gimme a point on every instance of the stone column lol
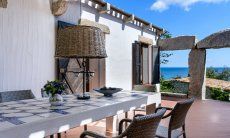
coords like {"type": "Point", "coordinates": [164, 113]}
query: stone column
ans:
{"type": "Point", "coordinates": [197, 71]}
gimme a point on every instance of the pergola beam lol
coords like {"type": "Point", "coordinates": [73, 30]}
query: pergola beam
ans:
{"type": "Point", "coordinates": [129, 19]}
{"type": "Point", "coordinates": [177, 43]}
{"type": "Point", "coordinates": [217, 40]}
{"type": "Point", "coordinates": [59, 7]}
{"type": "Point", "coordinates": [105, 9]}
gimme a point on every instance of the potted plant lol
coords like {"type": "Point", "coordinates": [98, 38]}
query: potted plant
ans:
{"type": "Point", "coordinates": [54, 89]}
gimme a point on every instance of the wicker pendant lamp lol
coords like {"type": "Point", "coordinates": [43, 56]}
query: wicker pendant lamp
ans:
{"type": "Point", "coordinates": [80, 42]}
{"type": "Point", "coordinates": [85, 42]}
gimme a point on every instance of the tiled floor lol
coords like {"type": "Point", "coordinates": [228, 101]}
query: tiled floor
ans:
{"type": "Point", "coordinates": [206, 119]}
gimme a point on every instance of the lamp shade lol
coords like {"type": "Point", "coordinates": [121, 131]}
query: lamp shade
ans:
{"type": "Point", "coordinates": [80, 42]}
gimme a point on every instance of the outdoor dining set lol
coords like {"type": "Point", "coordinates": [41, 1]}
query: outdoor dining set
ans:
{"type": "Point", "coordinates": [26, 116]}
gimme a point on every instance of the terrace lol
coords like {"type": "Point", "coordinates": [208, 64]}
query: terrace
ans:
{"type": "Point", "coordinates": [205, 118]}
{"type": "Point", "coordinates": [85, 45]}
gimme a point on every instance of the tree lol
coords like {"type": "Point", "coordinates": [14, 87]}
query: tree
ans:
{"type": "Point", "coordinates": [214, 74]}
{"type": "Point", "coordinates": [211, 73]}
{"type": "Point", "coordinates": [164, 56]}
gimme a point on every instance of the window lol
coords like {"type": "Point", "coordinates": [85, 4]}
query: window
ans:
{"type": "Point", "coordinates": [146, 67]}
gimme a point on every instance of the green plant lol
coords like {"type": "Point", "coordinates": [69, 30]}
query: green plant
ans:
{"type": "Point", "coordinates": [54, 87]}
{"type": "Point", "coordinates": [164, 55]}
{"type": "Point", "coordinates": [166, 85]}
{"type": "Point", "coordinates": [214, 74]}
{"type": "Point", "coordinates": [211, 73]}
{"type": "Point", "coordinates": [218, 94]}
{"type": "Point", "coordinates": [224, 75]}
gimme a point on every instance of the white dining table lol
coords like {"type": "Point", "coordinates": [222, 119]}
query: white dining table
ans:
{"type": "Point", "coordinates": [35, 118]}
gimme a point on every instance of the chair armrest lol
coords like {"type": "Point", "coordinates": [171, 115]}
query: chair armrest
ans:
{"type": "Point", "coordinates": [91, 134]}
{"type": "Point", "coordinates": [167, 108]}
{"type": "Point", "coordinates": [121, 124]}
{"type": "Point", "coordinates": [168, 115]}
{"type": "Point", "coordinates": [138, 115]}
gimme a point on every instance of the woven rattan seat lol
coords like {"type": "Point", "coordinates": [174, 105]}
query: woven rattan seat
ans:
{"type": "Point", "coordinates": [16, 95]}
{"type": "Point", "coordinates": [163, 132]}
{"type": "Point", "coordinates": [177, 120]}
{"type": "Point", "coordinates": [140, 127]}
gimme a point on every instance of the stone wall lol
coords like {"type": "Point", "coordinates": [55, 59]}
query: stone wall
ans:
{"type": "Point", "coordinates": [183, 88]}
{"type": "Point", "coordinates": [197, 56]}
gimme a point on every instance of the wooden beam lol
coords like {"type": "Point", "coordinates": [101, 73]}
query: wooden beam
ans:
{"type": "Point", "coordinates": [149, 26]}
{"type": "Point", "coordinates": [60, 6]}
{"type": "Point", "coordinates": [105, 9]}
{"type": "Point", "coordinates": [3, 3]}
{"type": "Point", "coordinates": [130, 18]}
{"type": "Point", "coordinates": [177, 43]}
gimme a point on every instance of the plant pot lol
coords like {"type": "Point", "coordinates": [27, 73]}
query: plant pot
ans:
{"type": "Point", "coordinates": [56, 100]}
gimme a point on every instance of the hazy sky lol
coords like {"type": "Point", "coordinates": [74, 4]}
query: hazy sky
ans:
{"type": "Point", "coordinates": [185, 17]}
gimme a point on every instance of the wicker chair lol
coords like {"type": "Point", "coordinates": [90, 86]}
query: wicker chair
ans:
{"type": "Point", "coordinates": [141, 126]}
{"type": "Point", "coordinates": [16, 95]}
{"type": "Point", "coordinates": [177, 120]}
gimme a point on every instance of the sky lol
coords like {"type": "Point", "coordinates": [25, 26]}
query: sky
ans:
{"type": "Point", "coordinates": [185, 17]}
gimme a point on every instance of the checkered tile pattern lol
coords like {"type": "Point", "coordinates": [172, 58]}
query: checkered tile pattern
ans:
{"type": "Point", "coordinates": [26, 111]}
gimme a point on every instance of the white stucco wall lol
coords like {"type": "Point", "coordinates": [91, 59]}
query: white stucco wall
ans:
{"type": "Point", "coordinates": [118, 43]}
{"type": "Point", "coordinates": [27, 40]}
{"type": "Point", "coordinates": [27, 45]}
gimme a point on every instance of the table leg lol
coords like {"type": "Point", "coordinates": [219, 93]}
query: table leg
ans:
{"type": "Point", "coordinates": [150, 109]}
{"type": "Point", "coordinates": [111, 124]}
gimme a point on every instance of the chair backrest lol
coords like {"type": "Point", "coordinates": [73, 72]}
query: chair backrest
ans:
{"type": "Point", "coordinates": [144, 126]}
{"type": "Point", "coordinates": [146, 88]}
{"type": "Point", "coordinates": [15, 95]}
{"type": "Point", "coordinates": [179, 113]}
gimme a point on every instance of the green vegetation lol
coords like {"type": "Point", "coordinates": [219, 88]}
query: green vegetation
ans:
{"type": "Point", "coordinates": [218, 94]}
{"type": "Point", "coordinates": [166, 86]}
{"type": "Point", "coordinates": [164, 56]}
{"type": "Point", "coordinates": [214, 74]}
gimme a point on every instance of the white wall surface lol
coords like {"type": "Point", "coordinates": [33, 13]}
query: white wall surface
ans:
{"type": "Point", "coordinates": [118, 43]}
{"type": "Point", "coordinates": [27, 43]}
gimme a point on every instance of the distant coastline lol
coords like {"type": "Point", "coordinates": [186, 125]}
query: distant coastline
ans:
{"type": "Point", "coordinates": [172, 72]}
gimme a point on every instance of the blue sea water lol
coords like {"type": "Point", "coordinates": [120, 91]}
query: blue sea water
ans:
{"type": "Point", "coordinates": [172, 72]}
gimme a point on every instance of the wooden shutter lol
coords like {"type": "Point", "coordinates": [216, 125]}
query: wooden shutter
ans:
{"type": "Point", "coordinates": [137, 65]}
{"type": "Point", "coordinates": [98, 80]}
{"type": "Point", "coordinates": [155, 65]}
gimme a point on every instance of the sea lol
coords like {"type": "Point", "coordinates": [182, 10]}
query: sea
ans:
{"type": "Point", "coordinates": [173, 72]}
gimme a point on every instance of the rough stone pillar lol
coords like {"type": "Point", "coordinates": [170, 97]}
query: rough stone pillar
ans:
{"type": "Point", "coordinates": [197, 71]}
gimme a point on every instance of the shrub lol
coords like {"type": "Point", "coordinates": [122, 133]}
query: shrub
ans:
{"type": "Point", "coordinates": [218, 94]}
{"type": "Point", "coordinates": [224, 75]}
{"type": "Point", "coordinates": [166, 85]}
{"type": "Point", "coordinates": [214, 74]}
{"type": "Point", "coordinates": [211, 73]}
